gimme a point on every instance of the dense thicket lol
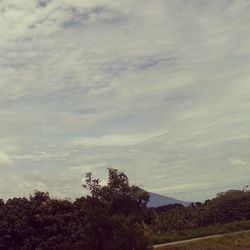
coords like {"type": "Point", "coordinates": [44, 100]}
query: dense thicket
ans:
{"type": "Point", "coordinates": [233, 205]}
{"type": "Point", "coordinates": [111, 217]}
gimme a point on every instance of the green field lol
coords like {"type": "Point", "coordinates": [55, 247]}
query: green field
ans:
{"type": "Point", "coordinates": [239, 241]}
{"type": "Point", "coordinates": [200, 232]}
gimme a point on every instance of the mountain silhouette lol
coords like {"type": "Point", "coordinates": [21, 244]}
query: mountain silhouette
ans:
{"type": "Point", "coordinates": [157, 200]}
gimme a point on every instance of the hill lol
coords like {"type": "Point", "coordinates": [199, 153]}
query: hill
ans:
{"type": "Point", "coordinates": [157, 200]}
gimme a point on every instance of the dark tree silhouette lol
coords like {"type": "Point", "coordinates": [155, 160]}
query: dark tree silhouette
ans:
{"type": "Point", "coordinates": [111, 217]}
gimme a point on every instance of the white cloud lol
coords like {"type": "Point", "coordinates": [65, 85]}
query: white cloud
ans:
{"type": "Point", "coordinates": [237, 162]}
{"type": "Point", "coordinates": [159, 89]}
{"type": "Point", "coordinates": [116, 140]}
{"type": "Point", "coordinates": [5, 159]}
{"type": "Point", "coordinates": [187, 187]}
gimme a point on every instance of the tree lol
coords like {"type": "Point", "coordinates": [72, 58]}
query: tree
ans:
{"type": "Point", "coordinates": [115, 213]}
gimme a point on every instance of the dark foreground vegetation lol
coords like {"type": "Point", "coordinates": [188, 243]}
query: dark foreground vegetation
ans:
{"type": "Point", "coordinates": [111, 217]}
{"type": "Point", "coordinates": [115, 216]}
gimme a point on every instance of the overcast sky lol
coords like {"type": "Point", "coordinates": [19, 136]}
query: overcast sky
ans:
{"type": "Point", "coordinates": [158, 89]}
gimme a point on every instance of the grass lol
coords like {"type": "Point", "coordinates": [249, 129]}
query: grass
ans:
{"type": "Point", "coordinates": [200, 232]}
{"type": "Point", "coordinates": [239, 241]}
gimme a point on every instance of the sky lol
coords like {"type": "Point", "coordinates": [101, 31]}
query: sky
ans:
{"type": "Point", "coordinates": [158, 89]}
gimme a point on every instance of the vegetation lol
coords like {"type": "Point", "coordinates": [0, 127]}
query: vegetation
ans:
{"type": "Point", "coordinates": [237, 241]}
{"type": "Point", "coordinates": [115, 216]}
{"type": "Point", "coordinates": [111, 217]}
{"type": "Point", "coordinates": [170, 223]}
{"type": "Point", "coordinates": [173, 236]}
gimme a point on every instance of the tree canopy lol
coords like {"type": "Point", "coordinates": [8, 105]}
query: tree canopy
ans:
{"type": "Point", "coordinates": [110, 217]}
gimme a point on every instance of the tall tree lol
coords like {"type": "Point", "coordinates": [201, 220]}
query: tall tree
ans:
{"type": "Point", "coordinates": [116, 213]}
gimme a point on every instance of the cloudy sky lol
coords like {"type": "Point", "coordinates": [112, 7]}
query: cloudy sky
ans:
{"type": "Point", "coordinates": [158, 89]}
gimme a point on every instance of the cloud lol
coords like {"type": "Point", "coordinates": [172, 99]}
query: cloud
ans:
{"type": "Point", "coordinates": [5, 159]}
{"type": "Point", "coordinates": [237, 162]}
{"type": "Point", "coordinates": [188, 187]}
{"type": "Point", "coordinates": [158, 89]}
{"type": "Point", "coordinates": [116, 140]}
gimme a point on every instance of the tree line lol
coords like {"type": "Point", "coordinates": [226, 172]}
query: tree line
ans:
{"type": "Point", "coordinates": [110, 217]}
{"type": "Point", "coordinates": [226, 207]}
{"type": "Point", "coordinates": [113, 216]}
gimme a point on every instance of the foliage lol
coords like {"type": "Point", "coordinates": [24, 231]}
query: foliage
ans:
{"type": "Point", "coordinates": [115, 216]}
{"type": "Point", "coordinates": [175, 222]}
{"type": "Point", "coordinates": [111, 217]}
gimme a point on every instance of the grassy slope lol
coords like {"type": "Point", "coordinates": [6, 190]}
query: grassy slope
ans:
{"type": "Point", "coordinates": [200, 232]}
{"type": "Point", "coordinates": [240, 241]}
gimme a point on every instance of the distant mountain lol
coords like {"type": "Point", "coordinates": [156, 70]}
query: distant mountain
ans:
{"type": "Point", "coordinates": [157, 200]}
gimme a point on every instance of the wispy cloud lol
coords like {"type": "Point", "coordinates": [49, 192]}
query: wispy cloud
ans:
{"type": "Point", "coordinates": [5, 159]}
{"type": "Point", "coordinates": [159, 89]}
